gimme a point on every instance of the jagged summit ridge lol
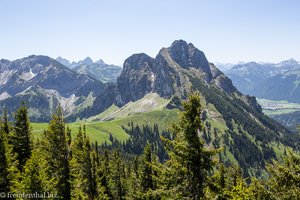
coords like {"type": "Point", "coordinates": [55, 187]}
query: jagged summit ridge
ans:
{"type": "Point", "coordinates": [187, 55]}
{"type": "Point", "coordinates": [168, 73]}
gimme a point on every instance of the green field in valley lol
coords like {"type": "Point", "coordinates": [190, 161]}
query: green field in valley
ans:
{"type": "Point", "coordinates": [100, 130]}
{"type": "Point", "coordinates": [272, 107]}
{"type": "Point", "coordinates": [149, 110]}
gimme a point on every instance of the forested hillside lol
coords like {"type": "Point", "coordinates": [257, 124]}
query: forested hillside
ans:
{"type": "Point", "coordinates": [176, 164]}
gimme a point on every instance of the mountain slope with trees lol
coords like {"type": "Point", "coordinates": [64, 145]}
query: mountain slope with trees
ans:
{"type": "Point", "coordinates": [232, 120]}
{"type": "Point", "coordinates": [87, 171]}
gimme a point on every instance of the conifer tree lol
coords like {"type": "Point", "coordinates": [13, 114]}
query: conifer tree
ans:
{"type": "Point", "coordinates": [5, 123]}
{"type": "Point", "coordinates": [189, 164]}
{"type": "Point", "coordinates": [10, 175]}
{"type": "Point", "coordinates": [258, 190]}
{"type": "Point", "coordinates": [3, 161]}
{"type": "Point", "coordinates": [20, 136]}
{"type": "Point", "coordinates": [133, 183]}
{"type": "Point", "coordinates": [147, 172]}
{"type": "Point", "coordinates": [81, 167]}
{"type": "Point", "coordinates": [102, 176]}
{"type": "Point", "coordinates": [115, 174]}
{"type": "Point", "coordinates": [284, 181]}
{"type": "Point", "coordinates": [31, 182]}
{"type": "Point", "coordinates": [94, 173]}
{"type": "Point", "coordinates": [13, 173]}
{"type": "Point", "coordinates": [54, 152]}
{"type": "Point", "coordinates": [68, 136]}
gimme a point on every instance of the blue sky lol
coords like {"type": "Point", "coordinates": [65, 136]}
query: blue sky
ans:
{"type": "Point", "coordinates": [226, 30]}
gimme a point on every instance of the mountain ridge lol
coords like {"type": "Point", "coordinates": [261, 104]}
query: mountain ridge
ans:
{"type": "Point", "coordinates": [44, 83]}
{"type": "Point", "coordinates": [259, 79]}
{"type": "Point", "coordinates": [98, 70]}
{"type": "Point", "coordinates": [232, 120]}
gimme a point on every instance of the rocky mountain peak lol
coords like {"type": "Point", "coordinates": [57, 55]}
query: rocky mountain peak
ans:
{"type": "Point", "coordinates": [168, 73]}
{"type": "Point", "coordinates": [101, 62]}
{"type": "Point", "coordinates": [179, 52]}
{"type": "Point", "coordinates": [137, 61]}
{"type": "Point", "coordinates": [4, 64]}
{"type": "Point", "coordinates": [290, 62]}
{"type": "Point", "coordinates": [187, 55]}
{"type": "Point", "coordinates": [44, 83]}
{"type": "Point", "coordinates": [63, 61]}
{"type": "Point", "coordinates": [86, 61]}
{"type": "Point", "coordinates": [98, 70]}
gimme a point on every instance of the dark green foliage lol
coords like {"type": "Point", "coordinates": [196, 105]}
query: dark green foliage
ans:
{"type": "Point", "coordinates": [54, 151]}
{"type": "Point", "coordinates": [140, 136]}
{"type": "Point", "coordinates": [241, 150]}
{"type": "Point", "coordinates": [102, 176]}
{"type": "Point", "coordinates": [190, 163]}
{"type": "Point", "coordinates": [81, 167]}
{"type": "Point", "coordinates": [13, 173]}
{"type": "Point", "coordinates": [233, 111]}
{"type": "Point", "coordinates": [20, 136]}
{"type": "Point", "coordinates": [6, 125]}
{"type": "Point", "coordinates": [131, 170]}
{"type": "Point", "coordinates": [68, 136]}
{"type": "Point", "coordinates": [284, 181]}
{"type": "Point", "coordinates": [147, 171]}
{"type": "Point", "coordinates": [115, 176]}
{"type": "Point", "coordinates": [32, 182]}
{"type": "Point", "coordinates": [3, 161]}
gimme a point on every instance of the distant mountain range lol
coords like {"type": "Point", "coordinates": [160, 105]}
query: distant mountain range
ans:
{"type": "Point", "coordinates": [98, 70]}
{"type": "Point", "coordinates": [267, 80]}
{"type": "Point", "coordinates": [44, 83]}
{"type": "Point", "coordinates": [224, 66]}
{"type": "Point", "coordinates": [232, 120]}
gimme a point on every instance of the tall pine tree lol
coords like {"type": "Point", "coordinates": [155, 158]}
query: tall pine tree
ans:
{"type": "Point", "coordinates": [187, 170]}
{"type": "Point", "coordinates": [102, 173]}
{"type": "Point", "coordinates": [81, 167]}
{"type": "Point", "coordinates": [5, 125]}
{"type": "Point", "coordinates": [54, 152]}
{"type": "Point", "coordinates": [20, 136]}
{"type": "Point", "coordinates": [31, 178]}
{"type": "Point", "coordinates": [147, 171]}
{"type": "Point", "coordinates": [3, 161]}
{"type": "Point", "coordinates": [115, 176]}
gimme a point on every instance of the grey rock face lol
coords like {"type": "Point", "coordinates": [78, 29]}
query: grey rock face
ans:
{"type": "Point", "coordinates": [43, 83]}
{"type": "Point", "coordinates": [172, 72]}
{"type": "Point", "coordinates": [63, 61]}
{"type": "Point", "coordinates": [135, 80]}
{"type": "Point", "coordinates": [168, 73]}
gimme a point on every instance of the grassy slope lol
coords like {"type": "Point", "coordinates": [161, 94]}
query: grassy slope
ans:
{"type": "Point", "coordinates": [99, 131]}
{"type": "Point", "coordinates": [148, 110]}
{"type": "Point", "coordinates": [151, 102]}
